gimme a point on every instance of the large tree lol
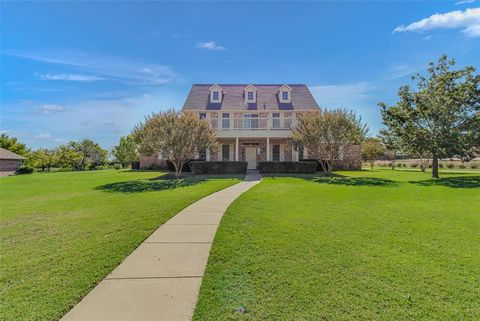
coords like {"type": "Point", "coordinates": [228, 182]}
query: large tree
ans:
{"type": "Point", "coordinates": [325, 132]}
{"type": "Point", "coordinates": [67, 157]}
{"type": "Point", "coordinates": [178, 136]}
{"type": "Point", "coordinates": [371, 150]}
{"type": "Point", "coordinates": [441, 116]}
{"type": "Point", "coordinates": [12, 144]}
{"type": "Point", "coordinates": [126, 151]}
{"type": "Point", "coordinates": [43, 158]}
{"type": "Point", "coordinates": [92, 154]}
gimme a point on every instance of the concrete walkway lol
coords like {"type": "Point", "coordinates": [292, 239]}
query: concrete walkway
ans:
{"type": "Point", "coordinates": [161, 279]}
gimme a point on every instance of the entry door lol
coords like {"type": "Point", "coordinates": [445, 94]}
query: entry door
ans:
{"type": "Point", "coordinates": [251, 156]}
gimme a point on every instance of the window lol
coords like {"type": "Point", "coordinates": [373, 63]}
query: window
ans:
{"type": "Point", "coordinates": [250, 121]}
{"type": "Point", "coordinates": [276, 120]}
{"type": "Point", "coordinates": [284, 95]}
{"type": "Point", "coordinates": [202, 155]}
{"type": "Point", "coordinates": [202, 115]}
{"type": "Point", "coordinates": [276, 153]}
{"type": "Point", "coordinates": [225, 152]}
{"type": "Point", "coordinates": [216, 95]}
{"type": "Point", "coordinates": [250, 95]}
{"type": "Point", "coordinates": [225, 120]}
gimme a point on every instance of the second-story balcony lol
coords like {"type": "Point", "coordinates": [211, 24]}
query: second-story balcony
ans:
{"type": "Point", "coordinates": [251, 123]}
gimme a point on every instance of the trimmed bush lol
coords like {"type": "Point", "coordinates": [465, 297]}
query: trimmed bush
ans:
{"type": "Point", "coordinates": [185, 167]}
{"type": "Point", "coordinates": [24, 170]}
{"type": "Point", "coordinates": [462, 166]}
{"type": "Point", "coordinates": [307, 167]}
{"type": "Point", "coordinates": [473, 166]}
{"type": "Point", "coordinates": [450, 165]}
{"type": "Point", "coordinates": [413, 165]}
{"type": "Point", "coordinates": [203, 167]}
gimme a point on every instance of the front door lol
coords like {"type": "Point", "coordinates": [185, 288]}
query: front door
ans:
{"type": "Point", "coordinates": [251, 156]}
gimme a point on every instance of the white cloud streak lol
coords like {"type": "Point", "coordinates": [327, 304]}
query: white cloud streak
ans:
{"type": "Point", "coordinates": [103, 66]}
{"type": "Point", "coordinates": [51, 109]}
{"type": "Point", "coordinates": [69, 77]}
{"type": "Point", "coordinates": [210, 45]}
{"type": "Point", "coordinates": [341, 95]}
{"type": "Point", "coordinates": [459, 3]}
{"type": "Point", "coordinates": [467, 20]}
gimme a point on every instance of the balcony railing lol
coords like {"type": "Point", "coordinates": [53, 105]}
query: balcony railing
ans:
{"type": "Point", "coordinates": [251, 123]}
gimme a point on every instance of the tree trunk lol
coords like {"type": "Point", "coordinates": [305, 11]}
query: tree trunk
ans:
{"type": "Point", "coordinates": [435, 166]}
{"type": "Point", "coordinates": [371, 164]}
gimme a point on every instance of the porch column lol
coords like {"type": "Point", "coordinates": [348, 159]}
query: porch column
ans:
{"type": "Point", "coordinates": [268, 149]}
{"type": "Point", "coordinates": [237, 158]}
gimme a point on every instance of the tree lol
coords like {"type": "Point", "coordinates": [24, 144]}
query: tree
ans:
{"type": "Point", "coordinates": [391, 145]}
{"type": "Point", "coordinates": [91, 153]}
{"type": "Point", "coordinates": [43, 158]}
{"type": "Point", "coordinates": [325, 132]}
{"type": "Point", "coordinates": [372, 149]}
{"type": "Point", "coordinates": [126, 151]}
{"type": "Point", "coordinates": [178, 136]}
{"type": "Point", "coordinates": [67, 157]}
{"type": "Point", "coordinates": [13, 145]}
{"type": "Point", "coordinates": [441, 116]}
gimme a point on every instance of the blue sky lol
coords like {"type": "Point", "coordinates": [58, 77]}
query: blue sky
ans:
{"type": "Point", "coordinates": [72, 70]}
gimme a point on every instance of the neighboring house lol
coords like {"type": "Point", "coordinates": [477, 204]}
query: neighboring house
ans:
{"type": "Point", "coordinates": [253, 123]}
{"type": "Point", "coordinates": [9, 162]}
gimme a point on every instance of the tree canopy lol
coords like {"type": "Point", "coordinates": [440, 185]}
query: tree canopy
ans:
{"type": "Point", "coordinates": [325, 132]}
{"type": "Point", "coordinates": [126, 151]}
{"type": "Point", "coordinates": [12, 144]}
{"type": "Point", "coordinates": [441, 116]}
{"type": "Point", "coordinates": [372, 148]}
{"type": "Point", "coordinates": [178, 136]}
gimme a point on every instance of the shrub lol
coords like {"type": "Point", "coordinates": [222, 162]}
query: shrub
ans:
{"type": "Point", "coordinates": [287, 167]}
{"type": "Point", "coordinates": [462, 166]}
{"type": "Point", "coordinates": [118, 166]}
{"type": "Point", "coordinates": [404, 165]}
{"type": "Point", "coordinates": [399, 165]}
{"type": "Point", "coordinates": [450, 165]}
{"type": "Point", "coordinates": [203, 167]}
{"type": "Point", "coordinates": [185, 167]}
{"type": "Point", "coordinates": [413, 165]}
{"type": "Point", "coordinates": [473, 166]}
{"type": "Point", "coordinates": [25, 169]}
{"type": "Point", "coordinates": [440, 165]}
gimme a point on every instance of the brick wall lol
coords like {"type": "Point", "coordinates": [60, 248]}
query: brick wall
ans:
{"type": "Point", "coordinates": [10, 165]}
{"type": "Point", "coordinates": [152, 162]}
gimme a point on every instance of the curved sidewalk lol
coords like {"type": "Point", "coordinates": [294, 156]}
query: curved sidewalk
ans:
{"type": "Point", "coordinates": [161, 279]}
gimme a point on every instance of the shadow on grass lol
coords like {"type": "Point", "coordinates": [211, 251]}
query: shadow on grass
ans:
{"type": "Point", "coordinates": [454, 182]}
{"type": "Point", "coordinates": [337, 179]}
{"type": "Point", "coordinates": [161, 183]}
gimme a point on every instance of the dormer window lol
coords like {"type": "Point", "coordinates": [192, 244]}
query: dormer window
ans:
{"type": "Point", "coordinates": [250, 93]}
{"type": "Point", "coordinates": [216, 94]}
{"type": "Point", "coordinates": [285, 94]}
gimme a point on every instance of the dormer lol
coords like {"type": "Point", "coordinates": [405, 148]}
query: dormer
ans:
{"type": "Point", "coordinates": [285, 94]}
{"type": "Point", "coordinates": [250, 93]}
{"type": "Point", "coordinates": [216, 94]}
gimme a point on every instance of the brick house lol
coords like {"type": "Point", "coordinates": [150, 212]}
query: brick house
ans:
{"type": "Point", "coordinates": [10, 162]}
{"type": "Point", "coordinates": [253, 123]}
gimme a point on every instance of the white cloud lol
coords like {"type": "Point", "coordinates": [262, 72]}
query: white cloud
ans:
{"type": "Point", "coordinates": [107, 67]}
{"type": "Point", "coordinates": [51, 108]}
{"type": "Point", "coordinates": [341, 95]}
{"type": "Point", "coordinates": [43, 136]}
{"type": "Point", "coordinates": [468, 21]}
{"type": "Point", "coordinates": [464, 2]}
{"type": "Point", "coordinates": [69, 77]}
{"type": "Point", "coordinates": [210, 45]}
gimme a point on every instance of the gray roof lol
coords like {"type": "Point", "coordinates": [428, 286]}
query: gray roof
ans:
{"type": "Point", "coordinates": [233, 98]}
{"type": "Point", "coordinates": [6, 154]}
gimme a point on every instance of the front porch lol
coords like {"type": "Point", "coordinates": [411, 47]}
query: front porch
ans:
{"type": "Point", "coordinates": [254, 150]}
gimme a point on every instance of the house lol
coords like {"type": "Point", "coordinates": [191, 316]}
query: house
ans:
{"type": "Point", "coordinates": [253, 123]}
{"type": "Point", "coordinates": [10, 162]}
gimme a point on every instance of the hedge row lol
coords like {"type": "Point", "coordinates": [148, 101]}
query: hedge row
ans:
{"type": "Point", "coordinates": [287, 167]}
{"type": "Point", "coordinates": [203, 167]}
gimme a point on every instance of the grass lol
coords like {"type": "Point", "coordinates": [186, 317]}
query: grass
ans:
{"type": "Point", "coordinates": [366, 245]}
{"type": "Point", "coordinates": [62, 233]}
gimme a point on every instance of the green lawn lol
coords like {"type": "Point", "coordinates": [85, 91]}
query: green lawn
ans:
{"type": "Point", "coordinates": [62, 233]}
{"type": "Point", "coordinates": [372, 245]}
